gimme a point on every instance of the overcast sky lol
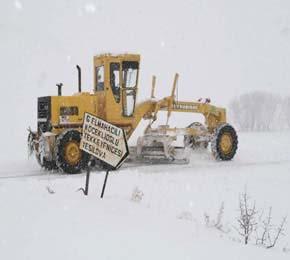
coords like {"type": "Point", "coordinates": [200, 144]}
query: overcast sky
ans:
{"type": "Point", "coordinates": [220, 48]}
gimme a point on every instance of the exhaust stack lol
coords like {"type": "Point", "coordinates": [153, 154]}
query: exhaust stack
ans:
{"type": "Point", "coordinates": [79, 78]}
{"type": "Point", "coordinates": [59, 86]}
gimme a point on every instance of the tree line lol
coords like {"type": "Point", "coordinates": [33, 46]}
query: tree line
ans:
{"type": "Point", "coordinates": [260, 111]}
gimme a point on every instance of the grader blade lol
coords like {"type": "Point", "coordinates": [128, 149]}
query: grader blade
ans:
{"type": "Point", "coordinates": [157, 146]}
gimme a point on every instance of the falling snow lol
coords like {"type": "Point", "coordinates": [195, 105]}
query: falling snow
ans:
{"type": "Point", "coordinates": [18, 5]}
{"type": "Point", "coordinates": [90, 8]}
{"type": "Point", "coordinates": [221, 49]}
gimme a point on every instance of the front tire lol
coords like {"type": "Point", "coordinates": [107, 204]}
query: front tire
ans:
{"type": "Point", "coordinates": [46, 165]}
{"type": "Point", "coordinates": [224, 142]}
{"type": "Point", "coordinates": [69, 157]}
{"type": "Point", "coordinates": [194, 142]}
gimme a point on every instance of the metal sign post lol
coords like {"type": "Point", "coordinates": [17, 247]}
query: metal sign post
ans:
{"type": "Point", "coordinates": [87, 180]}
{"type": "Point", "coordinates": [104, 141]}
{"type": "Point", "coordinates": [105, 183]}
{"type": "Point", "coordinates": [86, 189]}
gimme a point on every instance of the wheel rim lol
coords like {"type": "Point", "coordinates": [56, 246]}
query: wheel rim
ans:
{"type": "Point", "coordinates": [72, 153]}
{"type": "Point", "coordinates": [226, 143]}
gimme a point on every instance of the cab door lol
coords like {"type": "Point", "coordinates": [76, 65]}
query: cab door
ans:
{"type": "Point", "coordinates": [129, 86]}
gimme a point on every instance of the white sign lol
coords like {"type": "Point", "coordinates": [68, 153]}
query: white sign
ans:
{"type": "Point", "coordinates": [103, 140]}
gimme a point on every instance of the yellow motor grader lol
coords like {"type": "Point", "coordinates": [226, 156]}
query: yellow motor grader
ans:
{"type": "Point", "coordinates": [60, 119]}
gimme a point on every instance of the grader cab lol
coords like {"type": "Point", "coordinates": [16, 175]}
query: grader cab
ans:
{"type": "Point", "coordinates": [60, 119]}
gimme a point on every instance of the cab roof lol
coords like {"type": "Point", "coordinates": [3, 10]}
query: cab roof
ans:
{"type": "Point", "coordinates": [123, 56]}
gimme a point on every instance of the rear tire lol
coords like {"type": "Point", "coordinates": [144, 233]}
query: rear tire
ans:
{"type": "Point", "coordinates": [69, 157]}
{"type": "Point", "coordinates": [224, 143]}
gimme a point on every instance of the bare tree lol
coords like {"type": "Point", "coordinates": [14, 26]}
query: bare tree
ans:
{"type": "Point", "coordinates": [279, 232]}
{"type": "Point", "coordinates": [247, 218]}
{"type": "Point", "coordinates": [252, 224]}
{"type": "Point", "coordinates": [269, 233]}
{"type": "Point", "coordinates": [266, 228]}
{"type": "Point", "coordinates": [218, 222]}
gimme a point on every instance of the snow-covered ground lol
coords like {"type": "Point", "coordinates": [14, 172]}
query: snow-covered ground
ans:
{"type": "Point", "coordinates": [167, 223]}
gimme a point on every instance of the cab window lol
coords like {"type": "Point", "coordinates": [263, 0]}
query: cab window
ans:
{"type": "Point", "coordinates": [100, 76]}
{"type": "Point", "coordinates": [130, 77]}
{"type": "Point", "coordinates": [130, 73]}
{"type": "Point", "coordinates": [115, 80]}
